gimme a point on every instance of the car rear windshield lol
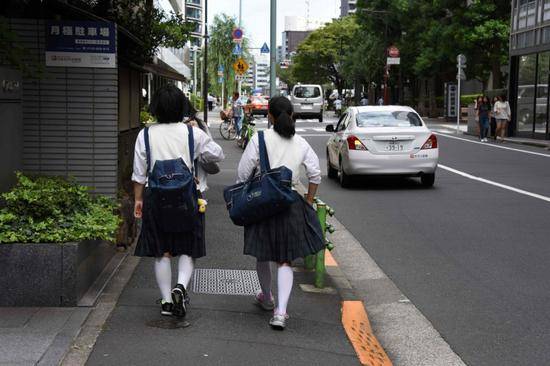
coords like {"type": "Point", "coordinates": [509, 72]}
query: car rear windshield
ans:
{"type": "Point", "coordinates": [307, 92]}
{"type": "Point", "coordinates": [388, 119]}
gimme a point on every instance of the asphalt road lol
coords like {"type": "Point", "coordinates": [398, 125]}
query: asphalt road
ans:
{"type": "Point", "coordinates": [473, 257]}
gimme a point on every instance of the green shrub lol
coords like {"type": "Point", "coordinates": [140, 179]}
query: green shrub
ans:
{"type": "Point", "coordinates": [55, 210]}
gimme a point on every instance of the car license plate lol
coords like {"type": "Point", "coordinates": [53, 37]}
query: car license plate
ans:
{"type": "Point", "coordinates": [395, 146]}
{"type": "Point", "coordinates": [307, 106]}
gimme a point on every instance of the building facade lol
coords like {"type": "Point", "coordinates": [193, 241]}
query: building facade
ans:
{"type": "Point", "coordinates": [291, 40]}
{"type": "Point", "coordinates": [347, 7]}
{"type": "Point", "coordinates": [530, 68]}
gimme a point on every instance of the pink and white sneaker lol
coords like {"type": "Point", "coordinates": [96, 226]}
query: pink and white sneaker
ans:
{"type": "Point", "coordinates": [267, 305]}
{"type": "Point", "coordinates": [278, 321]}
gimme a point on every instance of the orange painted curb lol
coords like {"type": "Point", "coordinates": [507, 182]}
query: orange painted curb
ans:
{"type": "Point", "coordinates": [359, 331]}
{"type": "Point", "coordinates": [329, 259]}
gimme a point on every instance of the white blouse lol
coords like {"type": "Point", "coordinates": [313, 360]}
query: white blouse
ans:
{"type": "Point", "coordinates": [170, 141]}
{"type": "Point", "coordinates": [293, 153]}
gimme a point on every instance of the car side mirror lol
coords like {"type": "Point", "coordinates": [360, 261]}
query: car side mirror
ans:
{"type": "Point", "coordinates": [329, 128]}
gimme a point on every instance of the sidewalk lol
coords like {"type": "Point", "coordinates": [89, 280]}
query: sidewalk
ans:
{"type": "Point", "coordinates": [440, 122]}
{"type": "Point", "coordinates": [223, 329]}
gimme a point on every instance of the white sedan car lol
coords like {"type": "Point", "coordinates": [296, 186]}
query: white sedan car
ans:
{"type": "Point", "coordinates": [381, 140]}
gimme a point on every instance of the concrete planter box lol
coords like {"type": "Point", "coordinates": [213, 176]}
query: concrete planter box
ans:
{"type": "Point", "coordinates": [50, 274]}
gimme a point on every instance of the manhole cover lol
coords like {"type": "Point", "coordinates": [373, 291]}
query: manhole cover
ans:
{"type": "Point", "coordinates": [169, 323]}
{"type": "Point", "coordinates": [225, 282]}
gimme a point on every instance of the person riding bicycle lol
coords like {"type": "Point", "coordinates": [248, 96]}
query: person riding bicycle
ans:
{"type": "Point", "coordinates": [237, 111]}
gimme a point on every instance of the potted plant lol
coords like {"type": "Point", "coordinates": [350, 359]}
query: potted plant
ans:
{"type": "Point", "coordinates": [55, 240]}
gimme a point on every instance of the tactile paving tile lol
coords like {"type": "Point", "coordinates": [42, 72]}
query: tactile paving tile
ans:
{"type": "Point", "coordinates": [225, 282]}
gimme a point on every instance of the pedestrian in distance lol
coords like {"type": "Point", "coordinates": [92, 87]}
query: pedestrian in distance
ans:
{"type": "Point", "coordinates": [166, 195]}
{"type": "Point", "coordinates": [293, 233]}
{"type": "Point", "coordinates": [364, 100]}
{"type": "Point", "coordinates": [483, 112]}
{"type": "Point", "coordinates": [237, 111]}
{"type": "Point", "coordinates": [502, 112]}
{"type": "Point", "coordinates": [338, 106]}
{"type": "Point", "coordinates": [493, 119]}
{"type": "Point", "coordinates": [381, 101]}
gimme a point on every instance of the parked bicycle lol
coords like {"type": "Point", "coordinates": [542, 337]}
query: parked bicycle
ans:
{"type": "Point", "coordinates": [228, 130]}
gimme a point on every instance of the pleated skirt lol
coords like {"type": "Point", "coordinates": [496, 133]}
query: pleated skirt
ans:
{"type": "Point", "coordinates": [291, 234]}
{"type": "Point", "coordinates": [154, 242]}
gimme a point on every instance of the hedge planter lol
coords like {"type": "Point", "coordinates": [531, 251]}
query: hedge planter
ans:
{"type": "Point", "coordinates": [50, 274]}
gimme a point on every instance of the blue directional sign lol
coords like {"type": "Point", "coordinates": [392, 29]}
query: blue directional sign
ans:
{"type": "Point", "coordinates": [265, 48]}
{"type": "Point", "coordinates": [237, 50]}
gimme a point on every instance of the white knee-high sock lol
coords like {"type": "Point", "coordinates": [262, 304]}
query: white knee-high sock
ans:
{"type": "Point", "coordinates": [163, 273]}
{"type": "Point", "coordinates": [264, 276]}
{"type": "Point", "coordinates": [186, 265]}
{"type": "Point", "coordinates": [285, 278]}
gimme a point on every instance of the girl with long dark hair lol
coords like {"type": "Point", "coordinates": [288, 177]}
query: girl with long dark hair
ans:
{"type": "Point", "coordinates": [169, 139]}
{"type": "Point", "coordinates": [291, 234]}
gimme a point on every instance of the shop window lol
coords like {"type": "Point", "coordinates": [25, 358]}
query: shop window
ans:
{"type": "Point", "coordinates": [541, 114]}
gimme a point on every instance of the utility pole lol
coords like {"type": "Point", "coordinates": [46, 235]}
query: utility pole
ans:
{"type": "Point", "coordinates": [239, 83]}
{"type": "Point", "coordinates": [273, 49]}
{"type": "Point", "coordinates": [205, 61]}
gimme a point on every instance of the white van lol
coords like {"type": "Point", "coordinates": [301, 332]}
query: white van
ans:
{"type": "Point", "coordinates": [307, 101]}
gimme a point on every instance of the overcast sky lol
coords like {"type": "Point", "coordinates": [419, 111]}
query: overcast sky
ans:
{"type": "Point", "coordinates": [256, 14]}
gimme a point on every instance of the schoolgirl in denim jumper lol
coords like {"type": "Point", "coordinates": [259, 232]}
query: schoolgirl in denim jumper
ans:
{"type": "Point", "coordinates": [169, 139]}
{"type": "Point", "coordinates": [291, 234]}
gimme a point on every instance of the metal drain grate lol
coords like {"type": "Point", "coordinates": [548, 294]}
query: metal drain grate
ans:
{"type": "Point", "coordinates": [225, 282]}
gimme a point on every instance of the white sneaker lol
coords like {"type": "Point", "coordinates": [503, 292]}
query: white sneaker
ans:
{"type": "Point", "coordinates": [278, 321]}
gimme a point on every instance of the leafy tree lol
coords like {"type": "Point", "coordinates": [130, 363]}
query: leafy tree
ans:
{"type": "Point", "coordinates": [320, 57]}
{"type": "Point", "coordinates": [287, 76]}
{"type": "Point", "coordinates": [220, 53]}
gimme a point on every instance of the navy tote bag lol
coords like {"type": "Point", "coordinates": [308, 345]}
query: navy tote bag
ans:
{"type": "Point", "coordinates": [263, 195]}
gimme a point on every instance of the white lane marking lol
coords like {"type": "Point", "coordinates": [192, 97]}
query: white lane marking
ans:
{"type": "Point", "coordinates": [313, 135]}
{"type": "Point", "coordinates": [493, 145]}
{"type": "Point", "coordinates": [496, 184]}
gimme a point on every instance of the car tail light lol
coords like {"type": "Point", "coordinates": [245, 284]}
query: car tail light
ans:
{"type": "Point", "coordinates": [355, 144]}
{"type": "Point", "coordinates": [431, 143]}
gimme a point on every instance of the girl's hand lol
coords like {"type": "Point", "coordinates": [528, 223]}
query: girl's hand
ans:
{"type": "Point", "coordinates": [138, 209]}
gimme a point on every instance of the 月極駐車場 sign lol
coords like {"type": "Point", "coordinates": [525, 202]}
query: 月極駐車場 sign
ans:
{"type": "Point", "coordinates": [80, 44]}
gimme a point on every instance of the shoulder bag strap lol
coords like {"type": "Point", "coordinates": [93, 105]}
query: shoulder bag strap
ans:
{"type": "Point", "coordinates": [191, 143]}
{"type": "Point", "coordinates": [264, 158]}
{"type": "Point", "coordinates": [147, 149]}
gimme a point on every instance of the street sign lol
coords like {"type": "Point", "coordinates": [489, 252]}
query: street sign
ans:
{"type": "Point", "coordinates": [393, 61]}
{"type": "Point", "coordinates": [461, 60]}
{"type": "Point", "coordinates": [265, 48]}
{"type": "Point", "coordinates": [237, 35]}
{"type": "Point", "coordinates": [237, 50]}
{"type": "Point", "coordinates": [239, 77]}
{"type": "Point", "coordinates": [393, 52]}
{"type": "Point", "coordinates": [461, 74]}
{"type": "Point", "coordinates": [240, 66]}
{"type": "Point", "coordinates": [450, 100]}
{"type": "Point", "coordinates": [220, 80]}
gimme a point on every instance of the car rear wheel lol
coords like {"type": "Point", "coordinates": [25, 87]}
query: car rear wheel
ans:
{"type": "Point", "coordinates": [331, 172]}
{"type": "Point", "coordinates": [345, 180]}
{"type": "Point", "coordinates": [428, 180]}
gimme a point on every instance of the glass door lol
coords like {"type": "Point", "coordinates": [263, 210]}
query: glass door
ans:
{"type": "Point", "coordinates": [527, 80]}
{"type": "Point", "coordinates": [541, 103]}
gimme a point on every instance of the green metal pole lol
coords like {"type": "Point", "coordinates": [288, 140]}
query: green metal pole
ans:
{"type": "Point", "coordinates": [309, 261]}
{"type": "Point", "coordinates": [320, 262]}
